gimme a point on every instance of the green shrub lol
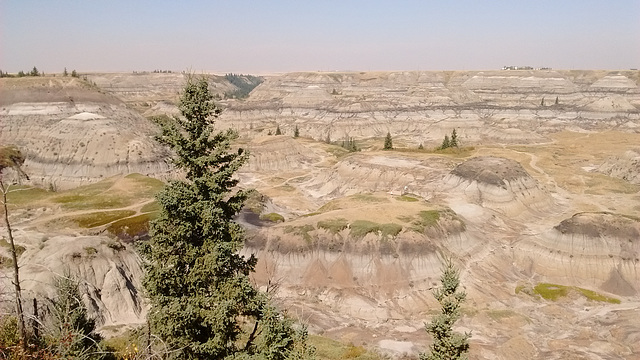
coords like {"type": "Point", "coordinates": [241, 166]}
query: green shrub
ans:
{"type": "Point", "coordinates": [334, 226]}
{"type": "Point", "coordinates": [90, 250]}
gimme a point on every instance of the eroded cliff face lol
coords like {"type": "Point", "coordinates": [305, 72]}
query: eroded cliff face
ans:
{"type": "Point", "coordinates": [421, 107]}
{"type": "Point", "coordinates": [73, 133]}
{"type": "Point", "coordinates": [109, 274]}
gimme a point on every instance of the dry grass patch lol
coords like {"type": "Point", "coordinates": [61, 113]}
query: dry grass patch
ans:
{"type": "Point", "coordinates": [328, 349]}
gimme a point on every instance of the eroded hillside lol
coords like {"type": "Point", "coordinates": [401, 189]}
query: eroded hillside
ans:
{"type": "Point", "coordinates": [539, 207]}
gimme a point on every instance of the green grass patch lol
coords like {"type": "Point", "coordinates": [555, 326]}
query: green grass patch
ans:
{"type": "Point", "coordinates": [101, 218]}
{"type": "Point", "coordinates": [129, 228]}
{"type": "Point", "coordinates": [100, 195]}
{"type": "Point", "coordinates": [151, 207]}
{"type": "Point", "coordinates": [330, 206]}
{"type": "Point", "coordinates": [428, 218]}
{"type": "Point", "coordinates": [273, 217]}
{"type": "Point", "coordinates": [423, 220]}
{"type": "Point", "coordinates": [368, 198]}
{"type": "Point", "coordinates": [390, 229]}
{"type": "Point", "coordinates": [334, 226]}
{"type": "Point", "coordinates": [302, 231]}
{"type": "Point", "coordinates": [24, 195]}
{"type": "Point", "coordinates": [406, 198]}
{"type": "Point", "coordinates": [554, 292]}
{"type": "Point", "coordinates": [594, 296]}
{"type": "Point", "coordinates": [148, 185]}
{"type": "Point", "coordinates": [551, 291]}
{"type": "Point", "coordinates": [94, 196]}
{"type": "Point", "coordinates": [360, 228]}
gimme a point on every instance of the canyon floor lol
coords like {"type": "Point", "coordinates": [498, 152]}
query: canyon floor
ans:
{"type": "Point", "coordinates": [539, 207]}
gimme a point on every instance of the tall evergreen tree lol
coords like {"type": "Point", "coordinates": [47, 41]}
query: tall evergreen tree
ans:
{"type": "Point", "coordinates": [447, 344]}
{"type": "Point", "coordinates": [197, 282]}
{"type": "Point", "coordinates": [388, 142]}
{"type": "Point", "coordinates": [296, 132]}
{"type": "Point", "coordinates": [278, 132]}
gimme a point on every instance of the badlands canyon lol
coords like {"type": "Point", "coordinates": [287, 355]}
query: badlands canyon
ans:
{"type": "Point", "coordinates": [539, 206]}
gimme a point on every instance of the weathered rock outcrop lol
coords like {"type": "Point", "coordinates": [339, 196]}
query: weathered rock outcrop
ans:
{"type": "Point", "coordinates": [625, 167]}
{"type": "Point", "coordinates": [109, 274]}
{"type": "Point", "coordinates": [73, 133]}
{"type": "Point", "coordinates": [601, 249]}
{"type": "Point", "coordinates": [499, 184]}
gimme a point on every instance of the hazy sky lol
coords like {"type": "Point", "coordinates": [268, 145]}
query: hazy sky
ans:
{"type": "Point", "coordinates": [281, 36]}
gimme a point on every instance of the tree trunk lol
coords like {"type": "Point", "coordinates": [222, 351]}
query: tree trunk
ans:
{"type": "Point", "coordinates": [16, 269]}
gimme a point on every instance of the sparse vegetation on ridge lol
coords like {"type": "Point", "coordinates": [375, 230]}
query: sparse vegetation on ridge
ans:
{"type": "Point", "coordinates": [334, 226]}
{"type": "Point", "coordinates": [554, 292]}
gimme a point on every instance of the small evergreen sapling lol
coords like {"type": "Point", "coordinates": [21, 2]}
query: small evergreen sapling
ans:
{"type": "Point", "coordinates": [388, 142]}
{"type": "Point", "coordinates": [447, 344]}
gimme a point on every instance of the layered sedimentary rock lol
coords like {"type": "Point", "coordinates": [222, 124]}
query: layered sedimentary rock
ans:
{"type": "Point", "coordinates": [601, 249]}
{"type": "Point", "coordinates": [73, 133]}
{"type": "Point", "coordinates": [499, 184]}
{"type": "Point", "coordinates": [421, 107]}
